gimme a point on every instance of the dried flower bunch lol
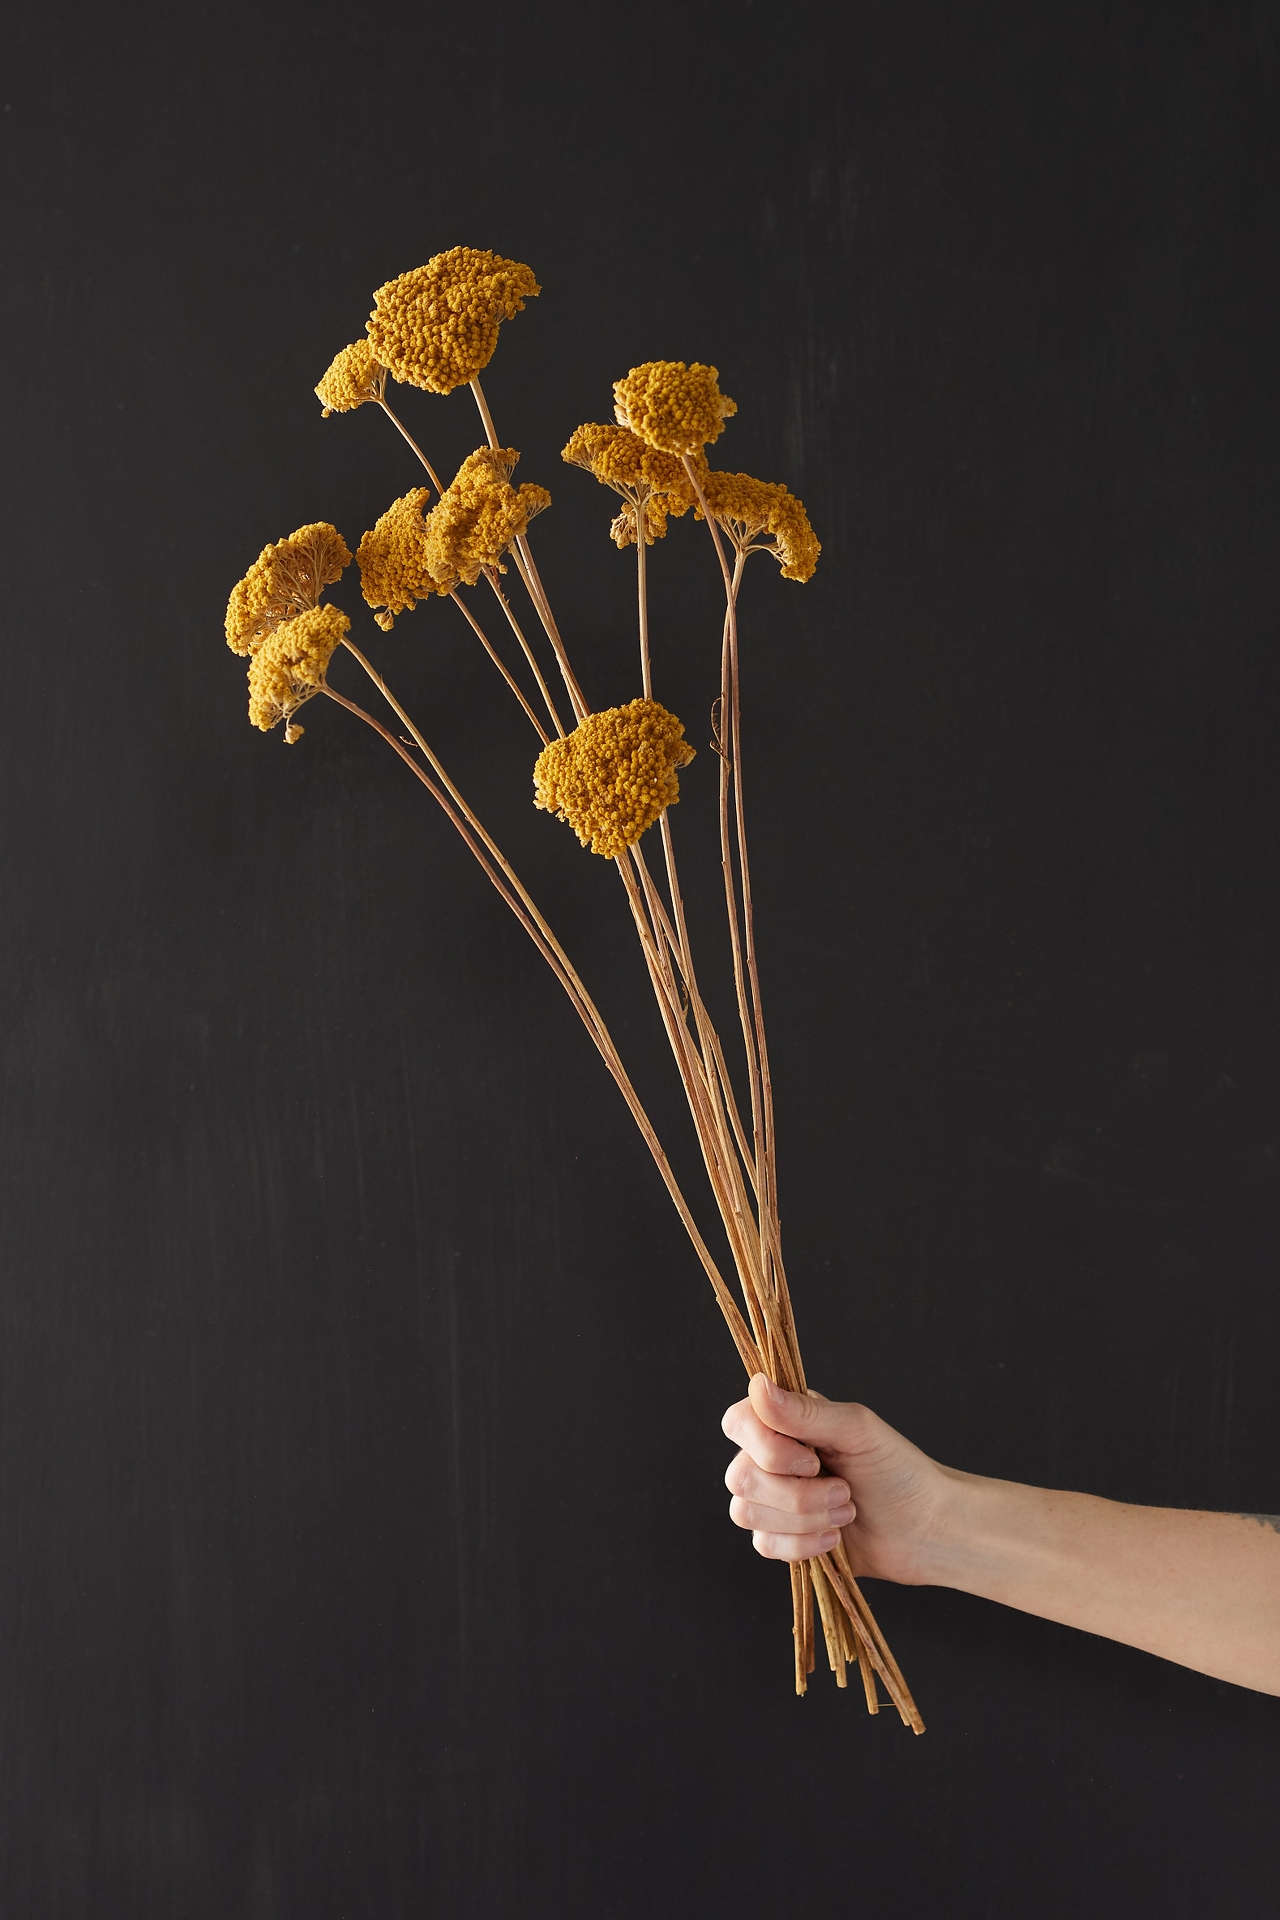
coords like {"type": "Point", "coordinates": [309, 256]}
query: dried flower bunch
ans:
{"type": "Point", "coordinates": [611, 775]}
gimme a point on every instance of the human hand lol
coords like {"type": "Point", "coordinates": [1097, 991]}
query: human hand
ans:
{"type": "Point", "coordinates": [886, 1497]}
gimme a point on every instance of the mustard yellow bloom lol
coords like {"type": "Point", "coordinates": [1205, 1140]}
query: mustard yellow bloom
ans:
{"type": "Point", "coordinates": [437, 326]}
{"type": "Point", "coordinates": [478, 516]}
{"type": "Point", "coordinates": [675, 407]}
{"type": "Point", "coordinates": [621, 459]}
{"type": "Point", "coordinates": [394, 569]}
{"type": "Point", "coordinates": [614, 775]}
{"type": "Point", "coordinates": [760, 516]}
{"type": "Point", "coordinates": [285, 579]}
{"type": "Point", "coordinates": [353, 377]}
{"type": "Point", "coordinates": [644, 477]}
{"type": "Point", "coordinates": [290, 666]}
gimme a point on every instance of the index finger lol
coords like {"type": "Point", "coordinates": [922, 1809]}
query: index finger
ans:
{"type": "Point", "coordinates": [772, 1452]}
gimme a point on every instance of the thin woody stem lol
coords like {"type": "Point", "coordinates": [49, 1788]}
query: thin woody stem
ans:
{"type": "Point", "coordinates": [749, 1000]}
{"type": "Point", "coordinates": [485, 641]}
{"type": "Point", "coordinates": [397, 421]}
{"type": "Point", "coordinates": [485, 414]}
{"type": "Point", "coordinates": [748, 917]}
{"type": "Point", "coordinates": [717, 1152]}
{"type": "Point", "coordinates": [683, 961]}
{"type": "Point", "coordinates": [837, 1569]}
{"type": "Point", "coordinates": [695, 1093]}
{"type": "Point", "coordinates": [770, 1230]}
{"type": "Point", "coordinates": [507, 884]}
{"type": "Point", "coordinates": [681, 941]}
{"type": "Point", "coordinates": [708, 1037]}
{"type": "Point", "coordinates": [526, 568]}
{"type": "Point", "coordinates": [721, 1137]}
{"type": "Point", "coordinates": [642, 589]}
{"type": "Point", "coordinates": [712, 1057]}
{"type": "Point", "coordinates": [735, 932]}
{"type": "Point", "coordinates": [703, 1090]}
{"type": "Point", "coordinates": [518, 630]}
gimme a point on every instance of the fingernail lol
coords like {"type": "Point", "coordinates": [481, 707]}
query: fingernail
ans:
{"type": "Point", "coordinates": [838, 1496]}
{"type": "Point", "coordinates": [826, 1541]}
{"type": "Point", "coordinates": [841, 1516]}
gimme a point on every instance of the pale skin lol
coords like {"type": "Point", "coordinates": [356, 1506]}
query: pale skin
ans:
{"type": "Point", "coordinates": [1201, 1589]}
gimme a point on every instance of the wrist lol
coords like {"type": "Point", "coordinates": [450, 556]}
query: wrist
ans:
{"type": "Point", "coordinates": [974, 1534]}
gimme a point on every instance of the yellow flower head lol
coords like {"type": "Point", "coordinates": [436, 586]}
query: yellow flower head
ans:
{"type": "Point", "coordinates": [675, 407]}
{"type": "Point", "coordinates": [354, 376]}
{"type": "Point", "coordinates": [614, 775]}
{"type": "Point", "coordinates": [438, 326]}
{"type": "Point", "coordinates": [478, 516]}
{"type": "Point", "coordinates": [290, 665]}
{"type": "Point", "coordinates": [394, 571]}
{"type": "Point", "coordinates": [284, 580]}
{"type": "Point", "coordinates": [761, 516]}
{"type": "Point", "coordinates": [640, 473]}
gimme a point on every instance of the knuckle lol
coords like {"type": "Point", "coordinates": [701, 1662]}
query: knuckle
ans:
{"type": "Point", "coordinates": [741, 1475]}
{"type": "Point", "coordinates": [732, 1420]}
{"type": "Point", "coordinates": [861, 1420]}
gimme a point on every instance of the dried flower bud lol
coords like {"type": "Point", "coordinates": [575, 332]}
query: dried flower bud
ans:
{"type": "Point", "coordinates": [749, 509]}
{"type": "Point", "coordinates": [285, 579]}
{"type": "Point", "coordinates": [354, 376]}
{"type": "Point", "coordinates": [622, 528]}
{"type": "Point", "coordinates": [614, 775]}
{"type": "Point", "coordinates": [478, 516]}
{"type": "Point", "coordinates": [394, 570]}
{"type": "Point", "coordinates": [437, 326]}
{"type": "Point", "coordinates": [290, 666]}
{"type": "Point", "coordinates": [674, 407]}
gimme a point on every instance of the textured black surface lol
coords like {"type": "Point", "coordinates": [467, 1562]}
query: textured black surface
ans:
{"type": "Point", "coordinates": [363, 1540]}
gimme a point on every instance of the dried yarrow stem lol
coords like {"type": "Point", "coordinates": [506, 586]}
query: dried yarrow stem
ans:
{"type": "Point", "coordinates": [612, 777]}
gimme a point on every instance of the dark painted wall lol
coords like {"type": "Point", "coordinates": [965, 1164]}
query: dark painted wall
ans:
{"type": "Point", "coordinates": [364, 1549]}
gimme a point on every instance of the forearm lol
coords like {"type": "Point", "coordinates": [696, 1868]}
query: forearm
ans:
{"type": "Point", "coordinates": [1202, 1589]}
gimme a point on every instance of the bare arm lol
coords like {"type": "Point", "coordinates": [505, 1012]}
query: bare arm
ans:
{"type": "Point", "coordinates": [1202, 1589]}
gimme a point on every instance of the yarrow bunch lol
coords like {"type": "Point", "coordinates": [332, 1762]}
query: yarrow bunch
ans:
{"type": "Point", "coordinates": [611, 775]}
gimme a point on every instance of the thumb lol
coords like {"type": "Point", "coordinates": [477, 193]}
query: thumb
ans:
{"type": "Point", "coordinates": [805, 1417]}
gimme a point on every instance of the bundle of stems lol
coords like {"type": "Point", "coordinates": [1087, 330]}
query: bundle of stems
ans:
{"type": "Point", "coordinates": [738, 1151]}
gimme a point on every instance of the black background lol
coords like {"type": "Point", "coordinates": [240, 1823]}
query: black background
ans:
{"type": "Point", "coordinates": [364, 1548]}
